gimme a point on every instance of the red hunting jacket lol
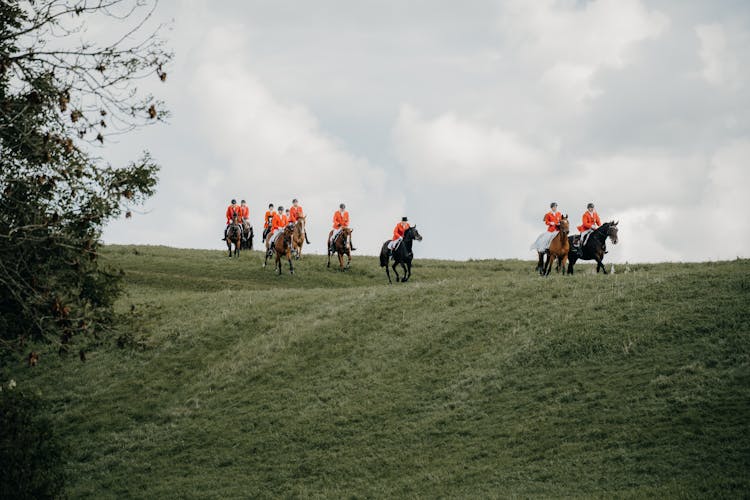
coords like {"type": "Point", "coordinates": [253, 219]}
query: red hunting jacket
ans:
{"type": "Point", "coordinates": [295, 213]}
{"type": "Point", "coordinates": [340, 220]}
{"type": "Point", "coordinates": [399, 230]}
{"type": "Point", "coordinates": [552, 219]}
{"type": "Point", "coordinates": [589, 219]}
{"type": "Point", "coordinates": [231, 210]}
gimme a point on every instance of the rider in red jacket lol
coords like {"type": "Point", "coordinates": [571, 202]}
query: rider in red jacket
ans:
{"type": "Point", "coordinates": [398, 233]}
{"type": "Point", "coordinates": [232, 210]}
{"type": "Point", "coordinates": [589, 222]}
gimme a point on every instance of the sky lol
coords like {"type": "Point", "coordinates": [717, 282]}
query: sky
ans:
{"type": "Point", "coordinates": [467, 117]}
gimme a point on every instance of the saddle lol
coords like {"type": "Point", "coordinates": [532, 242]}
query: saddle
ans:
{"type": "Point", "coordinates": [578, 243]}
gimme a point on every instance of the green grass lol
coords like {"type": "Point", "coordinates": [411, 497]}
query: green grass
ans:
{"type": "Point", "coordinates": [476, 379]}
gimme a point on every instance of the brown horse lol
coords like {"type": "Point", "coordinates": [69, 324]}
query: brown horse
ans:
{"type": "Point", "coordinates": [342, 246]}
{"type": "Point", "coordinates": [282, 246]}
{"type": "Point", "coordinates": [234, 235]}
{"type": "Point", "coordinates": [299, 237]}
{"type": "Point", "coordinates": [558, 248]}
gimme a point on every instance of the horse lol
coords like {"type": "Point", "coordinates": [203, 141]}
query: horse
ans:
{"type": "Point", "coordinates": [299, 237]}
{"type": "Point", "coordinates": [595, 246]}
{"type": "Point", "coordinates": [558, 248]}
{"type": "Point", "coordinates": [234, 235]}
{"type": "Point", "coordinates": [342, 246]}
{"type": "Point", "coordinates": [247, 235]}
{"type": "Point", "coordinates": [282, 246]}
{"type": "Point", "coordinates": [402, 254]}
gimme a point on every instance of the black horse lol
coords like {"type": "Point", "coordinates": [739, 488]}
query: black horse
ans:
{"type": "Point", "coordinates": [595, 246]}
{"type": "Point", "coordinates": [401, 255]}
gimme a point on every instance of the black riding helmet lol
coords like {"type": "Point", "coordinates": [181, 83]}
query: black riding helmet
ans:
{"type": "Point", "coordinates": [342, 206]}
{"type": "Point", "coordinates": [553, 204]}
{"type": "Point", "coordinates": [234, 202]}
{"type": "Point", "coordinates": [590, 205]}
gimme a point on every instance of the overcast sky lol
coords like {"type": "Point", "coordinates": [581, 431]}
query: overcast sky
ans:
{"type": "Point", "coordinates": [467, 117]}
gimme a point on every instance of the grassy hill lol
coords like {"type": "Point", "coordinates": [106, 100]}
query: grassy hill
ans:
{"type": "Point", "coordinates": [476, 379]}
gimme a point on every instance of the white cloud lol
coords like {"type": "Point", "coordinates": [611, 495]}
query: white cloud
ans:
{"type": "Point", "coordinates": [571, 42]}
{"type": "Point", "coordinates": [450, 149]}
{"type": "Point", "coordinates": [720, 66]}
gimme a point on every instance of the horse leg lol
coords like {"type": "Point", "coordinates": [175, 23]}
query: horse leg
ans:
{"type": "Point", "coordinates": [571, 263]}
{"type": "Point", "coordinates": [388, 273]}
{"type": "Point", "coordinates": [563, 261]}
{"type": "Point", "coordinates": [540, 264]}
{"type": "Point", "coordinates": [289, 258]}
{"type": "Point", "coordinates": [408, 271]}
{"type": "Point", "coordinates": [277, 267]}
{"type": "Point", "coordinates": [406, 277]}
{"type": "Point", "coordinates": [395, 271]}
{"type": "Point", "coordinates": [341, 261]}
{"type": "Point", "coordinates": [229, 247]}
{"type": "Point", "coordinates": [348, 260]}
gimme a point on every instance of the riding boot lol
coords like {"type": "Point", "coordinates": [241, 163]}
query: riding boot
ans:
{"type": "Point", "coordinates": [225, 234]}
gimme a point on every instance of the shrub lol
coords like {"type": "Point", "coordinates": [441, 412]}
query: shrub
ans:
{"type": "Point", "coordinates": [31, 457]}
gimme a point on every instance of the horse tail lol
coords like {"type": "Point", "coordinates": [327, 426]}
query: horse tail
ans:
{"type": "Point", "coordinates": [384, 255]}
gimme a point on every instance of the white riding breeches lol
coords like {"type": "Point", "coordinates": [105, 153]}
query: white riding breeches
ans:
{"type": "Point", "coordinates": [542, 243]}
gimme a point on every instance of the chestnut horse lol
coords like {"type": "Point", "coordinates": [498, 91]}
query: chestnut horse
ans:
{"type": "Point", "coordinates": [342, 246]}
{"type": "Point", "coordinates": [299, 237]}
{"type": "Point", "coordinates": [282, 246]}
{"type": "Point", "coordinates": [234, 235]}
{"type": "Point", "coordinates": [401, 255]}
{"type": "Point", "coordinates": [558, 248]}
{"type": "Point", "coordinates": [595, 246]}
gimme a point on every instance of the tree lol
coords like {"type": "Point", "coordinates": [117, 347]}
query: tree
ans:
{"type": "Point", "coordinates": [60, 99]}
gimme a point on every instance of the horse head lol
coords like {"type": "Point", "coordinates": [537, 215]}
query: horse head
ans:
{"type": "Point", "coordinates": [564, 225]}
{"type": "Point", "coordinates": [612, 231]}
{"type": "Point", "coordinates": [413, 233]}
